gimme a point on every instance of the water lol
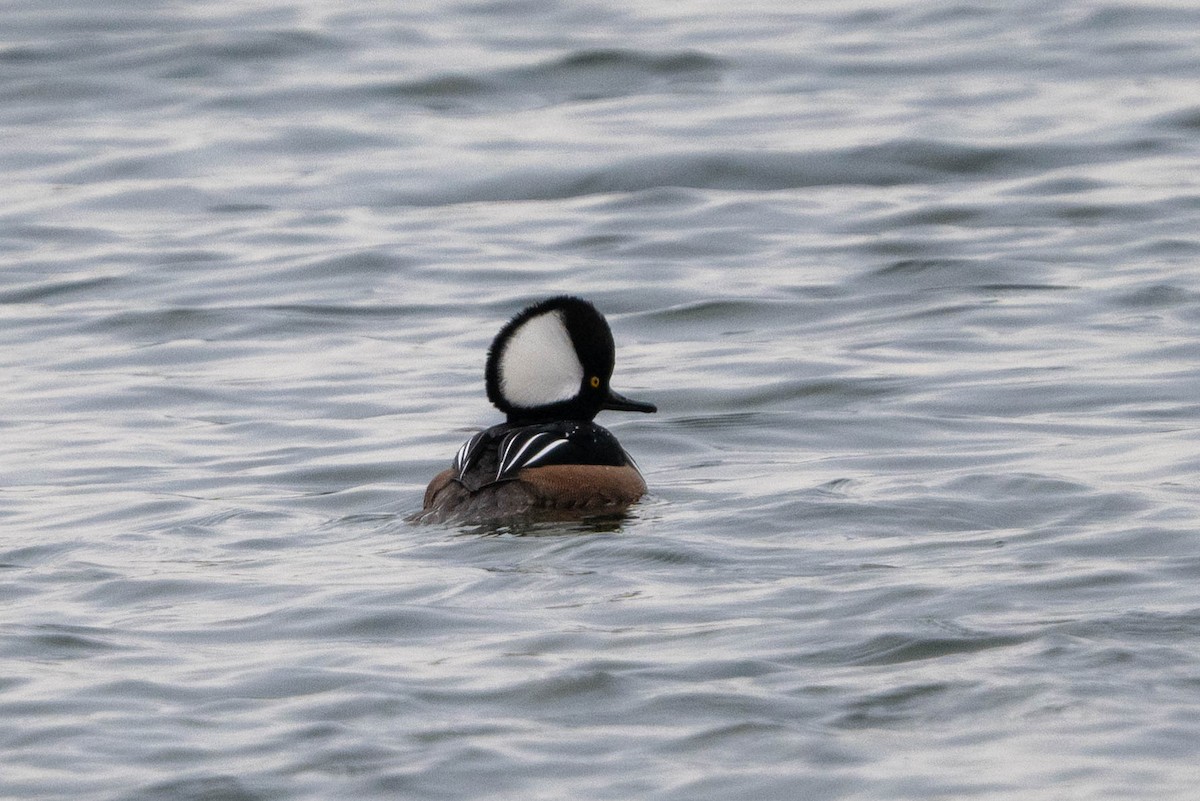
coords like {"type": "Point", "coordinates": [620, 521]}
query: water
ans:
{"type": "Point", "coordinates": [913, 287]}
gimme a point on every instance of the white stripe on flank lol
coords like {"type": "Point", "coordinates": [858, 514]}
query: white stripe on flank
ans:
{"type": "Point", "coordinates": [507, 464]}
{"type": "Point", "coordinates": [463, 457]}
{"type": "Point", "coordinates": [507, 446]}
{"type": "Point", "coordinates": [533, 460]}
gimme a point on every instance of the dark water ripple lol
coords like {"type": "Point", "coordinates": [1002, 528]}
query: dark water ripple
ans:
{"type": "Point", "coordinates": [913, 288]}
{"type": "Point", "coordinates": [886, 164]}
{"type": "Point", "coordinates": [580, 76]}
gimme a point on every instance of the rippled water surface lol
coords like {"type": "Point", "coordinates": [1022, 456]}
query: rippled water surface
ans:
{"type": "Point", "coordinates": [914, 286]}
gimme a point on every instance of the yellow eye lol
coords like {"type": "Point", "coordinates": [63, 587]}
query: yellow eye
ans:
{"type": "Point", "coordinates": [595, 382]}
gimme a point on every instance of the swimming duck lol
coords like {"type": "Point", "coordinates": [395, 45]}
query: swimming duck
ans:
{"type": "Point", "coordinates": [548, 371]}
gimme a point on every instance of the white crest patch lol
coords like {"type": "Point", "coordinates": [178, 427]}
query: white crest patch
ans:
{"type": "Point", "coordinates": [539, 365]}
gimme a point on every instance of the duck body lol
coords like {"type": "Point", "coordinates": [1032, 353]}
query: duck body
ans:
{"type": "Point", "coordinates": [548, 370]}
{"type": "Point", "coordinates": [544, 470]}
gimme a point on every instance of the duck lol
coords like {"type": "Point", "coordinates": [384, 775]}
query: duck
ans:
{"type": "Point", "coordinates": [548, 372]}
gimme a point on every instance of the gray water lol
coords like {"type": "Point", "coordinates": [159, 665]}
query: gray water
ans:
{"type": "Point", "coordinates": [914, 287]}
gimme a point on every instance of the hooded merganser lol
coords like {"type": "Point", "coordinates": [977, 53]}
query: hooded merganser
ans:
{"type": "Point", "coordinates": [548, 371]}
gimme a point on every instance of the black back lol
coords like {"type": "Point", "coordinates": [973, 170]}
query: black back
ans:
{"type": "Point", "coordinates": [500, 452]}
